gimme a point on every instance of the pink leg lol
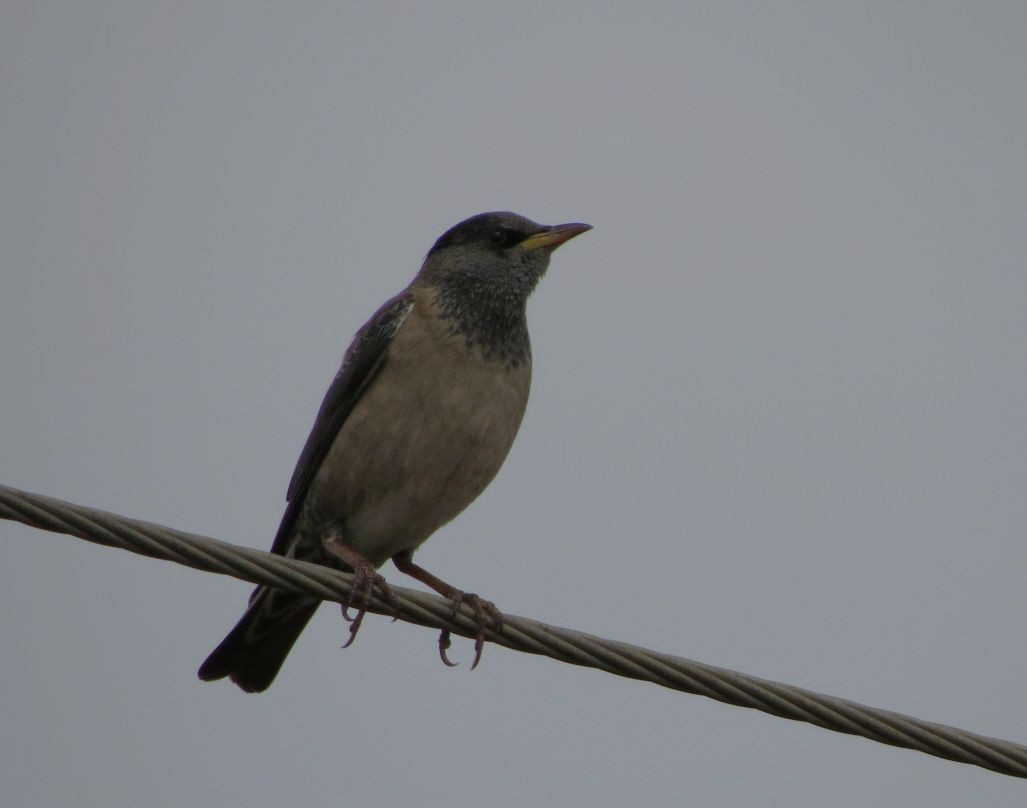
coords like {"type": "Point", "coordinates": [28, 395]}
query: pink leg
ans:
{"type": "Point", "coordinates": [485, 612]}
{"type": "Point", "coordinates": [365, 579]}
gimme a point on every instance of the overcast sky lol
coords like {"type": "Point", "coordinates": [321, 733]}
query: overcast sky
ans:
{"type": "Point", "coordinates": [778, 421]}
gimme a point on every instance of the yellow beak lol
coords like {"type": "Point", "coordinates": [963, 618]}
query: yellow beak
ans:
{"type": "Point", "coordinates": [554, 236]}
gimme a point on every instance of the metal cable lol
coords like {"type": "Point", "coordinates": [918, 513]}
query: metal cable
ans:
{"type": "Point", "coordinates": [521, 634]}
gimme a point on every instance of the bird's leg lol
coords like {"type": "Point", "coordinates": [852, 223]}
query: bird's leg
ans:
{"type": "Point", "coordinates": [484, 611]}
{"type": "Point", "coordinates": [365, 579]}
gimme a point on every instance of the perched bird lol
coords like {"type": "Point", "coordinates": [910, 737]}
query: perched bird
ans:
{"type": "Point", "coordinates": [414, 426]}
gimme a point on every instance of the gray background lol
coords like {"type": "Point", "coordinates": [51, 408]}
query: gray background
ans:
{"type": "Point", "coordinates": [779, 418]}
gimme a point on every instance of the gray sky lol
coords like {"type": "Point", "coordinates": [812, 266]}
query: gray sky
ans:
{"type": "Point", "coordinates": [778, 421]}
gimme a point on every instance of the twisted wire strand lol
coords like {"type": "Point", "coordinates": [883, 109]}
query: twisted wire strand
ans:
{"type": "Point", "coordinates": [521, 634]}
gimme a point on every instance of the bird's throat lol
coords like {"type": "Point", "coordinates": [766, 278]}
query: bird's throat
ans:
{"type": "Point", "coordinates": [489, 317]}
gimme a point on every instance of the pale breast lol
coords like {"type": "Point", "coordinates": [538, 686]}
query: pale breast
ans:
{"type": "Point", "coordinates": [426, 438]}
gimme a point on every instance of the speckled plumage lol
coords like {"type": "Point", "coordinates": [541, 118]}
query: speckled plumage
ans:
{"type": "Point", "coordinates": [415, 425]}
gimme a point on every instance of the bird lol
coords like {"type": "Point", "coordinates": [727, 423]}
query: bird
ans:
{"type": "Point", "coordinates": [416, 423]}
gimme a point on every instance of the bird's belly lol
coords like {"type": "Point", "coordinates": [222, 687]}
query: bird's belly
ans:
{"type": "Point", "coordinates": [419, 447]}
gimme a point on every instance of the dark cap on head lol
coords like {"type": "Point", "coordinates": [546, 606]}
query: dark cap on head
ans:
{"type": "Point", "coordinates": [503, 229]}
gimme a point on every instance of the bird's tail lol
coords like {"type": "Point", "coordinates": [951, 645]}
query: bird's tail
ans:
{"type": "Point", "coordinates": [253, 652]}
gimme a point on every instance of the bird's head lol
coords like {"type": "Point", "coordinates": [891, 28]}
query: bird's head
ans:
{"type": "Point", "coordinates": [500, 250]}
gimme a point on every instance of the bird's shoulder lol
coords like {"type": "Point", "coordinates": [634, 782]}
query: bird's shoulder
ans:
{"type": "Point", "coordinates": [426, 327]}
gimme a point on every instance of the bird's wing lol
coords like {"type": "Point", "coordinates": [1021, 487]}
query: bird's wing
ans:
{"type": "Point", "coordinates": [361, 363]}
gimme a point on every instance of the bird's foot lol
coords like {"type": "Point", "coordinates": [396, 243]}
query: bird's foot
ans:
{"type": "Point", "coordinates": [485, 614]}
{"type": "Point", "coordinates": [365, 580]}
{"type": "Point", "coordinates": [361, 592]}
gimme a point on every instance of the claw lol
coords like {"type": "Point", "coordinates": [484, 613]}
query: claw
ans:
{"type": "Point", "coordinates": [484, 612]}
{"type": "Point", "coordinates": [365, 579]}
{"type": "Point", "coordinates": [443, 646]}
{"type": "Point", "coordinates": [354, 627]}
{"type": "Point", "coordinates": [356, 594]}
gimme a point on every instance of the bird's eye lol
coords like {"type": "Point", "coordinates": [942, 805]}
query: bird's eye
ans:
{"type": "Point", "coordinates": [498, 237]}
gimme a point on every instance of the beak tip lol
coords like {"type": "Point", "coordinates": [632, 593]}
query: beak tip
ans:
{"type": "Point", "coordinates": [577, 227]}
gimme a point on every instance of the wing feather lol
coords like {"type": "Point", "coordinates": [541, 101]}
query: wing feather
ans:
{"type": "Point", "coordinates": [362, 362]}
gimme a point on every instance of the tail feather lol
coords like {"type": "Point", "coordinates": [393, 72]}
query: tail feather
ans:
{"type": "Point", "coordinates": [253, 652]}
